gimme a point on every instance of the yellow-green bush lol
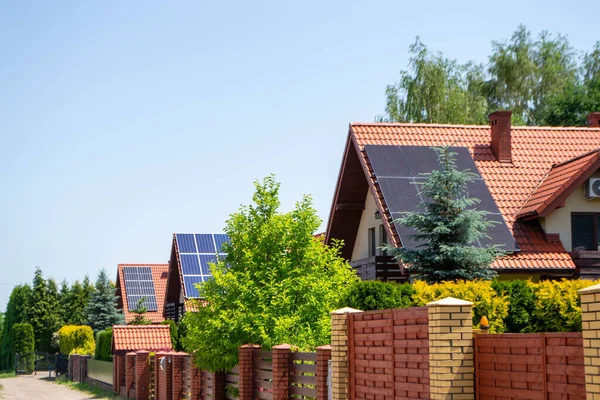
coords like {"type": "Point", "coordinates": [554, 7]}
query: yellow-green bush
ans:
{"type": "Point", "coordinates": [75, 339]}
{"type": "Point", "coordinates": [557, 305]}
{"type": "Point", "coordinates": [486, 302]}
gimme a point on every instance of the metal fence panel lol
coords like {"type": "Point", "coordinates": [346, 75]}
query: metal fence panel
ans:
{"type": "Point", "coordinates": [100, 370]}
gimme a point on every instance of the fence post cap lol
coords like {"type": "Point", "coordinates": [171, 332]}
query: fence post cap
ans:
{"type": "Point", "coordinates": [346, 310]}
{"type": "Point", "coordinates": [142, 352]}
{"type": "Point", "coordinates": [326, 347]}
{"type": "Point", "coordinates": [250, 346]}
{"type": "Point", "coordinates": [283, 346]}
{"type": "Point", "coordinates": [590, 290]}
{"type": "Point", "coordinates": [131, 353]}
{"type": "Point", "coordinates": [449, 301]}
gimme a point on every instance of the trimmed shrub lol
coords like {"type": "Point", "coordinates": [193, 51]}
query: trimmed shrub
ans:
{"type": "Point", "coordinates": [521, 304]}
{"type": "Point", "coordinates": [104, 345]}
{"type": "Point", "coordinates": [76, 339]}
{"type": "Point", "coordinates": [376, 295]}
{"type": "Point", "coordinates": [24, 345]}
{"type": "Point", "coordinates": [174, 334]}
{"type": "Point", "coordinates": [486, 302]}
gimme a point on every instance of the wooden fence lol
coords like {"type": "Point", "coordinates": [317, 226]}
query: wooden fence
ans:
{"type": "Point", "coordinates": [388, 353]}
{"type": "Point", "coordinates": [529, 366]}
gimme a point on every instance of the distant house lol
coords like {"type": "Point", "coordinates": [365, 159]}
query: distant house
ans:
{"type": "Point", "coordinates": [541, 184]}
{"type": "Point", "coordinates": [142, 281]}
{"type": "Point", "coordinates": [191, 255]}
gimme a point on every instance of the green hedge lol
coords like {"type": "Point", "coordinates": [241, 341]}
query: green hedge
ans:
{"type": "Point", "coordinates": [104, 345]}
{"type": "Point", "coordinates": [76, 339]}
{"type": "Point", "coordinates": [174, 331]}
{"type": "Point", "coordinates": [511, 306]}
{"type": "Point", "coordinates": [24, 345]}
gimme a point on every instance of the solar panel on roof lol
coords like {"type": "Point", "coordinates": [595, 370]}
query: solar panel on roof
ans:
{"type": "Point", "coordinates": [399, 169]}
{"type": "Point", "coordinates": [196, 253]}
{"type": "Point", "coordinates": [139, 285]}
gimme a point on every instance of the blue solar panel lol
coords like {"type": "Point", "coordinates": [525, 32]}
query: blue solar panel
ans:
{"type": "Point", "coordinates": [186, 243]}
{"type": "Point", "coordinates": [139, 285]}
{"type": "Point", "coordinates": [196, 253]}
{"type": "Point", "coordinates": [205, 243]}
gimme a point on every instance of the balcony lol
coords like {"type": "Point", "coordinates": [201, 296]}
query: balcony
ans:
{"type": "Point", "coordinates": [174, 311]}
{"type": "Point", "coordinates": [381, 268]}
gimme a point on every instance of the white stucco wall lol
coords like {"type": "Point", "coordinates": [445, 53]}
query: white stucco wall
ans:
{"type": "Point", "coordinates": [367, 220]}
{"type": "Point", "coordinates": [560, 220]}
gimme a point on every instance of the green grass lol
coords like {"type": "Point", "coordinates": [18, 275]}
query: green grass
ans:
{"type": "Point", "coordinates": [95, 391]}
{"type": "Point", "coordinates": [10, 374]}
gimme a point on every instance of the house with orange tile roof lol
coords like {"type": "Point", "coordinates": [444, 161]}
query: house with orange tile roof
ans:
{"type": "Point", "coordinates": [540, 184]}
{"type": "Point", "coordinates": [142, 282]}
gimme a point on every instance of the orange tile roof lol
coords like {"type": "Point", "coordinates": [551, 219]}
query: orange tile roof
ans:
{"type": "Point", "coordinates": [534, 151]}
{"type": "Point", "coordinates": [561, 181]}
{"type": "Point", "coordinates": [160, 273]}
{"type": "Point", "coordinates": [141, 337]}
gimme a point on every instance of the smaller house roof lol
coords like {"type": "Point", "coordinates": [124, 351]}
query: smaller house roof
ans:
{"type": "Point", "coordinates": [558, 184]}
{"type": "Point", "coordinates": [159, 276]}
{"type": "Point", "coordinates": [141, 337]}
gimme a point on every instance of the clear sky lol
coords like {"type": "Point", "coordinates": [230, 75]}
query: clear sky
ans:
{"type": "Point", "coordinates": [122, 122]}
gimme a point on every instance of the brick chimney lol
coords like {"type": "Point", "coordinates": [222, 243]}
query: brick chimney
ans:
{"type": "Point", "coordinates": [501, 131]}
{"type": "Point", "coordinates": [593, 120]}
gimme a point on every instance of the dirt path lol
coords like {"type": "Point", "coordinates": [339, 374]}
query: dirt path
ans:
{"type": "Point", "coordinates": [32, 387]}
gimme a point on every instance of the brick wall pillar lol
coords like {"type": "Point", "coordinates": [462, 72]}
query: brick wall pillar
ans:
{"type": "Point", "coordinates": [70, 368]}
{"type": "Point", "coordinates": [129, 375]}
{"type": "Point", "coordinates": [177, 370]}
{"type": "Point", "coordinates": [218, 385]}
{"type": "Point", "coordinates": [451, 370]}
{"type": "Point", "coordinates": [74, 367]}
{"type": "Point", "coordinates": [281, 371]}
{"type": "Point", "coordinates": [196, 381]}
{"type": "Point", "coordinates": [83, 367]}
{"type": "Point", "coordinates": [323, 357]}
{"type": "Point", "coordinates": [119, 364]}
{"type": "Point", "coordinates": [590, 313]}
{"type": "Point", "coordinates": [339, 352]}
{"type": "Point", "coordinates": [246, 367]}
{"type": "Point", "coordinates": [142, 375]}
{"type": "Point", "coordinates": [164, 376]}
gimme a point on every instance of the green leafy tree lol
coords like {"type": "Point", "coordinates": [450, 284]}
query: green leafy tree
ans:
{"type": "Point", "coordinates": [43, 312]}
{"type": "Point", "coordinates": [278, 283]}
{"type": "Point", "coordinates": [447, 229]}
{"type": "Point", "coordinates": [16, 312]}
{"type": "Point", "coordinates": [140, 313]}
{"type": "Point", "coordinates": [436, 89]}
{"type": "Point", "coordinates": [102, 309]}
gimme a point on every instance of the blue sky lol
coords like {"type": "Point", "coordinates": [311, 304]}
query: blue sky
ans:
{"type": "Point", "coordinates": [123, 122]}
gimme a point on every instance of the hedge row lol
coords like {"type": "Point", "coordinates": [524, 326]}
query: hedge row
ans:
{"type": "Point", "coordinates": [104, 345]}
{"type": "Point", "coordinates": [511, 306]}
{"type": "Point", "coordinates": [24, 345]}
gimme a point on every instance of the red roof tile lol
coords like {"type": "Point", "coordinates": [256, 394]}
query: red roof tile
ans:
{"type": "Point", "coordinates": [561, 181]}
{"type": "Point", "coordinates": [141, 337]}
{"type": "Point", "coordinates": [534, 151]}
{"type": "Point", "coordinates": [159, 275]}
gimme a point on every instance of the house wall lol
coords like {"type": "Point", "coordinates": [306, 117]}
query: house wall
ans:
{"type": "Point", "coordinates": [367, 221]}
{"type": "Point", "coordinates": [560, 220]}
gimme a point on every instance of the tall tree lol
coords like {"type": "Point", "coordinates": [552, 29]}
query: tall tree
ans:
{"type": "Point", "coordinates": [43, 311]}
{"type": "Point", "coordinates": [102, 309]}
{"type": "Point", "coordinates": [447, 229]}
{"type": "Point", "coordinates": [77, 298]}
{"type": "Point", "coordinates": [16, 313]}
{"type": "Point", "coordinates": [64, 302]}
{"type": "Point", "coordinates": [277, 285]}
{"type": "Point", "coordinates": [140, 313]}
{"type": "Point", "coordinates": [436, 89]}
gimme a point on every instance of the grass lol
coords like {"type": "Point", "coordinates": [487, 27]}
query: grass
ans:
{"type": "Point", "coordinates": [9, 374]}
{"type": "Point", "coordinates": [95, 391]}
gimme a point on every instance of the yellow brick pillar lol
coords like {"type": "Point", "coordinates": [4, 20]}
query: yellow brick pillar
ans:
{"type": "Point", "coordinates": [339, 352]}
{"type": "Point", "coordinates": [451, 371]}
{"type": "Point", "coordinates": [590, 314]}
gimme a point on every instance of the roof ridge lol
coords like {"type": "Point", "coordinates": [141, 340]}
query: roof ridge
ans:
{"type": "Point", "coordinates": [437, 125]}
{"type": "Point", "coordinates": [575, 158]}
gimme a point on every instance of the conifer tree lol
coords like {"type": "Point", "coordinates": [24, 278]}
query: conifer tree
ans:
{"type": "Point", "coordinates": [16, 312]}
{"type": "Point", "coordinates": [78, 299]}
{"type": "Point", "coordinates": [140, 313]}
{"type": "Point", "coordinates": [448, 229]}
{"type": "Point", "coordinates": [102, 309]}
{"type": "Point", "coordinates": [43, 311]}
{"type": "Point", "coordinates": [64, 302]}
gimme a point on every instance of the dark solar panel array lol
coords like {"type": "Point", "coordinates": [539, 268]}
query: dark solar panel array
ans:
{"type": "Point", "coordinates": [139, 285]}
{"type": "Point", "coordinates": [196, 253]}
{"type": "Point", "coordinates": [400, 169]}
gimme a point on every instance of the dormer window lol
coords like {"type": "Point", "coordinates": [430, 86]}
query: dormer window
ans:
{"type": "Point", "coordinates": [584, 228]}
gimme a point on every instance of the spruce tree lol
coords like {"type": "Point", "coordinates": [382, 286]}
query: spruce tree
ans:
{"type": "Point", "coordinates": [448, 229]}
{"type": "Point", "coordinates": [43, 311]}
{"type": "Point", "coordinates": [102, 309]}
{"type": "Point", "coordinates": [140, 313]}
{"type": "Point", "coordinates": [16, 312]}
